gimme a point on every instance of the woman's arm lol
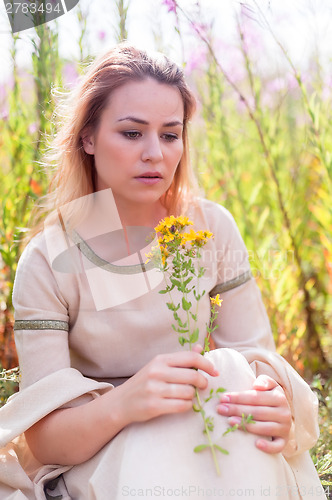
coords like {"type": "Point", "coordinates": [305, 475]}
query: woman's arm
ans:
{"type": "Point", "coordinates": [165, 385]}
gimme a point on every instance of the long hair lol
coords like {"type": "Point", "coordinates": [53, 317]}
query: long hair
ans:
{"type": "Point", "coordinates": [74, 175]}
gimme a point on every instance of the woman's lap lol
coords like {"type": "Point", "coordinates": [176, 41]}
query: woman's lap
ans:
{"type": "Point", "coordinates": [156, 458]}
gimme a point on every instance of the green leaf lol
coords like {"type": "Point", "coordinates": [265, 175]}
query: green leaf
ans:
{"type": "Point", "coordinates": [162, 291]}
{"type": "Point", "coordinates": [188, 281]}
{"type": "Point", "coordinates": [220, 389]}
{"type": "Point", "coordinates": [200, 447]}
{"type": "Point", "coordinates": [182, 330]}
{"type": "Point", "coordinates": [176, 283]}
{"type": "Point", "coordinates": [194, 336]}
{"type": "Point", "coordinates": [185, 304]}
{"type": "Point", "coordinates": [255, 192]}
{"type": "Point", "coordinates": [222, 450]}
{"type": "Point", "coordinates": [231, 429]}
{"type": "Point", "coordinates": [201, 272]}
{"type": "Point", "coordinates": [250, 419]}
{"type": "Point", "coordinates": [196, 408]}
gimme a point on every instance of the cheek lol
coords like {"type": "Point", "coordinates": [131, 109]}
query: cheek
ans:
{"type": "Point", "coordinates": [176, 155]}
{"type": "Point", "coordinates": [179, 155]}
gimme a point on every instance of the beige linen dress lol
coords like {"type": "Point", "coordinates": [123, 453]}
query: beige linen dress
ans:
{"type": "Point", "coordinates": [88, 316]}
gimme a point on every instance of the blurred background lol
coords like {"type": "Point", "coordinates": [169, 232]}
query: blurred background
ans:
{"type": "Point", "coordinates": [261, 145]}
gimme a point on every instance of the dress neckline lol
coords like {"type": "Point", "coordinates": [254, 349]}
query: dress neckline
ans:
{"type": "Point", "coordinates": [98, 261]}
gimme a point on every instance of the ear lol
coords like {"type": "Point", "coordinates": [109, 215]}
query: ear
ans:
{"type": "Point", "coordinates": [88, 143]}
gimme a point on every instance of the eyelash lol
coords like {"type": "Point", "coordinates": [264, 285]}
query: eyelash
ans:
{"type": "Point", "coordinates": [129, 135]}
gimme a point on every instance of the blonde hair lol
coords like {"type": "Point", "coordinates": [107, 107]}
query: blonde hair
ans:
{"type": "Point", "coordinates": [74, 175]}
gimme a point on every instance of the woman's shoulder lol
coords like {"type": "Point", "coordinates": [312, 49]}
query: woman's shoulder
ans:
{"type": "Point", "coordinates": [40, 253]}
{"type": "Point", "coordinates": [213, 213]}
{"type": "Point", "coordinates": [39, 244]}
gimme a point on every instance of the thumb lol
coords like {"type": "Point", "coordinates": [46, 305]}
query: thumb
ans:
{"type": "Point", "coordinates": [264, 383]}
{"type": "Point", "coordinates": [198, 348]}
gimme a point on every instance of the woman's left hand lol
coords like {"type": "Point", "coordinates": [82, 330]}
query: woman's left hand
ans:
{"type": "Point", "coordinates": [267, 404]}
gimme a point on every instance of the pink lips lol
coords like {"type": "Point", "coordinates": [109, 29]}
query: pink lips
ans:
{"type": "Point", "coordinates": [149, 178]}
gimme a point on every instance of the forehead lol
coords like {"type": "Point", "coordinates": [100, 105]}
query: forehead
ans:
{"type": "Point", "coordinates": [148, 99]}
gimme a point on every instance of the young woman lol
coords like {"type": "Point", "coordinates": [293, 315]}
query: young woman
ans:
{"type": "Point", "coordinates": [106, 393]}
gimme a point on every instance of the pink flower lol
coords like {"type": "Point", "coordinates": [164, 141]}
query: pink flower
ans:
{"type": "Point", "coordinates": [201, 29]}
{"type": "Point", "coordinates": [170, 4]}
{"type": "Point", "coordinates": [4, 112]}
{"type": "Point", "coordinates": [197, 59]}
{"type": "Point", "coordinates": [101, 35]}
{"type": "Point", "coordinates": [252, 38]}
{"type": "Point", "coordinates": [33, 128]}
{"type": "Point", "coordinates": [70, 73]}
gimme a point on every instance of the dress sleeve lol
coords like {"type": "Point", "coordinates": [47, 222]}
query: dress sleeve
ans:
{"type": "Point", "coordinates": [243, 325]}
{"type": "Point", "coordinates": [41, 330]}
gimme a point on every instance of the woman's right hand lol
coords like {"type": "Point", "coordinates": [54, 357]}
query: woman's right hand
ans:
{"type": "Point", "coordinates": [165, 385]}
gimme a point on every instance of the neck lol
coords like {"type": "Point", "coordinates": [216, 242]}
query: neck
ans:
{"type": "Point", "coordinates": [141, 215]}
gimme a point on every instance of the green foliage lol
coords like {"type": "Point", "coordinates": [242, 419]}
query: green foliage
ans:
{"type": "Point", "coordinates": [321, 454]}
{"type": "Point", "coordinates": [265, 154]}
{"type": "Point", "coordinates": [8, 384]}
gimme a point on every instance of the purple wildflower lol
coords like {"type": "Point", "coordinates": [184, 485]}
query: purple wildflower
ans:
{"type": "Point", "coordinates": [170, 4]}
{"type": "Point", "coordinates": [33, 127]}
{"type": "Point", "coordinates": [197, 59]}
{"type": "Point", "coordinates": [70, 74]}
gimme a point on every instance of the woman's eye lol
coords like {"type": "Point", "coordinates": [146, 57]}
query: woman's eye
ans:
{"type": "Point", "coordinates": [170, 137]}
{"type": "Point", "coordinates": [132, 134]}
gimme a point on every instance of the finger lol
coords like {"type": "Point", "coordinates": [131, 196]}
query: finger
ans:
{"type": "Point", "coordinates": [186, 376]}
{"type": "Point", "coordinates": [253, 398]}
{"type": "Point", "coordinates": [169, 405]}
{"type": "Point", "coordinates": [271, 447]}
{"type": "Point", "coordinates": [191, 359]}
{"type": "Point", "coordinates": [259, 413]}
{"type": "Point", "coordinates": [178, 391]}
{"type": "Point", "coordinates": [264, 383]}
{"type": "Point", "coordinates": [274, 429]}
{"type": "Point", "coordinates": [197, 348]}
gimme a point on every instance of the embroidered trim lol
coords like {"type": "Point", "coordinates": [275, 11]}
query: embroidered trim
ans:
{"type": "Point", "coordinates": [107, 266]}
{"type": "Point", "coordinates": [229, 285]}
{"type": "Point", "coordinates": [41, 324]}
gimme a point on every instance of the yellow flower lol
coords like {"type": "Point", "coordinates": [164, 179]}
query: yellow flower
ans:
{"type": "Point", "coordinates": [188, 237]}
{"type": "Point", "coordinates": [184, 221]}
{"type": "Point", "coordinates": [173, 223]}
{"type": "Point", "coordinates": [196, 238]}
{"type": "Point", "coordinates": [216, 300]}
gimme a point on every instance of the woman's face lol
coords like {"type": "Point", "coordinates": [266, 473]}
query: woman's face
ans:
{"type": "Point", "coordinates": [138, 143]}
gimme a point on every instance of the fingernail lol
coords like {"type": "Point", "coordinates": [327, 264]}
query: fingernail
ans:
{"type": "Point", "coordinates": [234, 420]}
{"type": "Point", "coordinates": [225, 399]}
{"type": "Point", "coordinates": [261, 444]}
{"type": "Point", "coordinates": [215, 373]}
{"type": "Point", "coordinates": [223, 408]}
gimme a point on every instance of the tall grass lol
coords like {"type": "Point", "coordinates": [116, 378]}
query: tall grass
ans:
{"type": "Point", "coordinates": [263, 149]}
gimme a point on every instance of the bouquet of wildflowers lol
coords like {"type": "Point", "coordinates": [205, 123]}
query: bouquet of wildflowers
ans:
{"type": "Point", "coordinates": [178, 257]}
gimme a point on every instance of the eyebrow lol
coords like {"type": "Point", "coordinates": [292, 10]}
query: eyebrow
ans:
{"type": "Point", "coordinates": [144, 122]}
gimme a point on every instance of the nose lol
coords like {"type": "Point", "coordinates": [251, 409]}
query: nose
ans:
{"type": "Point", "coordinates": [152, 150]}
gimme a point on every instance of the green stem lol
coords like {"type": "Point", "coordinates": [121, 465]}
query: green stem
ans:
{"type": "Point", "coordinates": [179, 258]}
{"type": "Point", "coordinates": [208, 434]}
